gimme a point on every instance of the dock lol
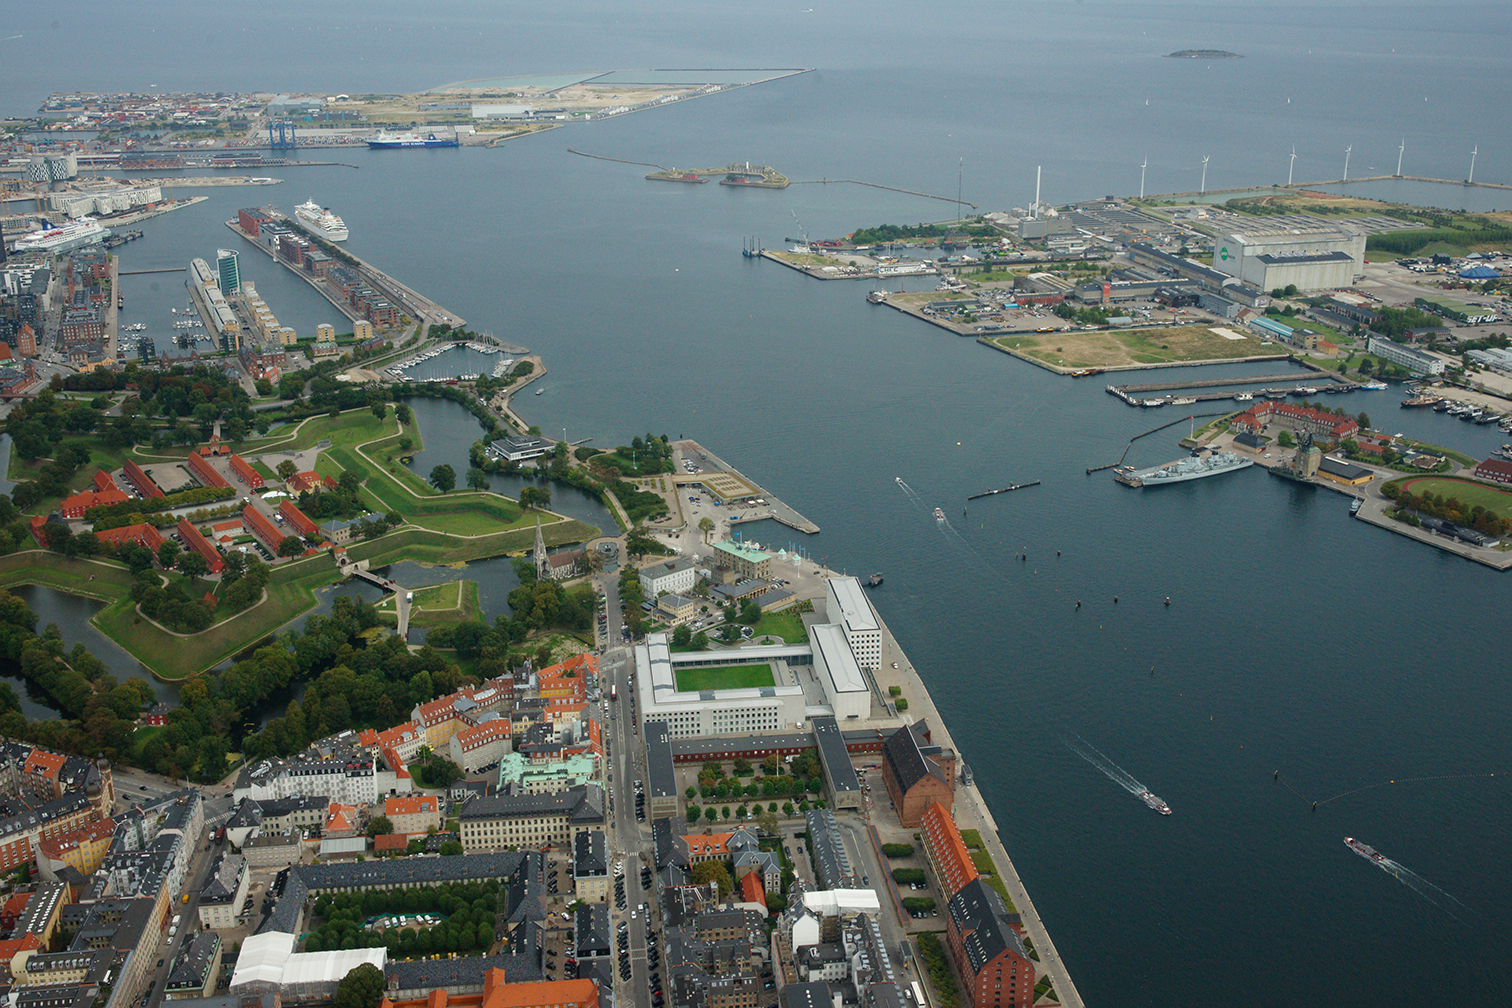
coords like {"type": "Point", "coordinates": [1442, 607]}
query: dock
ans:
{"type": "Point", "coordinates": [1324, 382]}
{"type": "Point", "coordinates": [415, 305]}
{"type": "Point", "coordinates": [725, 482]}
{"type": "Point", "coordinates": [752, 176]}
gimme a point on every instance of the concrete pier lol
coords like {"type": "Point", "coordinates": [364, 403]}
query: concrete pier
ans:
{"type": "Point", "coordinates": [738, 486]}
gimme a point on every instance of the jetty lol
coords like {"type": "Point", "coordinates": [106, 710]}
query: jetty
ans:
{"type": "Point", "coordinates": [1325, 382]}
{"type": "Point", "coordinates": [1002, 490]}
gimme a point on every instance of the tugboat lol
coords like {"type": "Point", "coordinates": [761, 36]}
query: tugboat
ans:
{"type": "Point", "coordinates": [874, 580]}
{"type": "Point", "coordinates": [1354, 506]}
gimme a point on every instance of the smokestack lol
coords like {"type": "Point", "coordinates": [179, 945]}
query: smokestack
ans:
{"type": "Point", "coordinates": [1037, 170]}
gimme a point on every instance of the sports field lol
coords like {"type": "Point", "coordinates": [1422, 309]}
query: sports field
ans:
{"type": "Point", "coordinates": [723, 677]}
{"type": "Point", "coordinates": [1492, 499]}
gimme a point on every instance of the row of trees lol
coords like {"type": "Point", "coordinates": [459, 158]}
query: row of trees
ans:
{"type": "Point", "coordinates": [1450, 509]}
{"type": "Point", "coordinates": [469, 910]}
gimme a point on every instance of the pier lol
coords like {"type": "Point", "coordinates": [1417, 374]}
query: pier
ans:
{"type": "Point", "coordinates": [415, 305]}
{"type": "Point", "coordinates": [724, 482]}
{"type": "Point", "coordinates": [1329, 384]}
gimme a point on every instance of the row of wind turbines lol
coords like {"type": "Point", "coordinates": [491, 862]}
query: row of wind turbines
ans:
{"type": "Point", "coordinates": [1292, 164]}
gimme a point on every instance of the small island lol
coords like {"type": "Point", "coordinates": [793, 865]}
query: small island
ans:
{"type": "Point", "coordinates": [1203, 54]}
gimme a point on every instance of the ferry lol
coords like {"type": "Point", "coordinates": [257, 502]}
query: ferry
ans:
{"type": "Point", "coordinates": [877, 296]}
{"type": "Point", "coordinates": [939, 515]}
{"type": "Point", "coordinates": [1374, 386]}
{"type": "Point", "coordinates": [320, 220]}
{"type": "Point", "coordinates": [1365, 851]}
{"type": "Point", "coordinates": [1243, 397]}
{"type": "Point", "coordinates": [386, 141]}
{"type": "Point", "coordinates": [1155, 803]}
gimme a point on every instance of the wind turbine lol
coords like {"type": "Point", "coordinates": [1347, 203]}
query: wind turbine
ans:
{"type": "Point", "coordinates": [1291, 165]}
{"type": "Point", "coordinates": [1472, 163]}
{"type": "Point", "coordinates": [1346, 161]}
{"type": "Point", "coordinates": [1400, 148]}
{"type": "Point", "coordinates": [1203, 187]}
{"type": "Point", "coordinates": [1142, 168]}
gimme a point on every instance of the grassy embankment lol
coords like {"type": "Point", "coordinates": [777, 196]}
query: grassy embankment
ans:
{"type": "Point", "coordinates": [291, 591]}
{"type": "Point", "coordinates": [985, 866]}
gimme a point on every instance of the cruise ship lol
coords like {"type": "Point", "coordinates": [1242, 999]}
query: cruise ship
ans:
{"type": "Point", "coordinates": [387, 140]}
{"type": "Point", "coordinates": [73, 235]}
{"type": "Point", "coordinates": [321, 221]}
{"type": "Point", "coordinates": [1181, 470]}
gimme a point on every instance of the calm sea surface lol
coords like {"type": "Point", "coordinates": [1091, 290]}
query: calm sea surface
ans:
{"type": "Point", "coordinates": [1298, 640]}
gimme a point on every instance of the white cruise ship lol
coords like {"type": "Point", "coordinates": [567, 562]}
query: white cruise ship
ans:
{"type": "Point", "coordinates": [73, 235]}
{"type": "Point", "coordinates": [321, 221]}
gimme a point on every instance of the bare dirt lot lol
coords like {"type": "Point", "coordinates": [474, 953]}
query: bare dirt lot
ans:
{"type": "Point", "coordinates": [1124, 348]}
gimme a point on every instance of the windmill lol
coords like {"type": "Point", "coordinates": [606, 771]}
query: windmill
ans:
{"type": "Point", "coordinates": [1203, 188]}
{"type": "Point", "coordinates": [1142, 168]}
{"type": "Point", "coordinates": [1346, 161]}
{"type": "Point", "coordinates": [1401, 147]}
{"type": "Point", "coordinates": [1291, 165]}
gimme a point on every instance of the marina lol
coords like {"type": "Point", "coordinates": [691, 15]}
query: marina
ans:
{"type": "Point", "coordinates": [1327, 384]}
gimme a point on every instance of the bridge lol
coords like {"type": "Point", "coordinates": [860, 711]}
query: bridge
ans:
{"type": "Point", "coordinates": [402, 595]}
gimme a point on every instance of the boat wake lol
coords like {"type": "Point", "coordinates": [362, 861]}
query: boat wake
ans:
{"type": "Point", "coordinates": [1115, 773]}
{"type": "Point", "coordinates": [1412, 880]}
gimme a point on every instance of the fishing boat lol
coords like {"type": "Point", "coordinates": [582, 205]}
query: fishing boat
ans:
{"type": "Point", "coordinates": [939, 515]}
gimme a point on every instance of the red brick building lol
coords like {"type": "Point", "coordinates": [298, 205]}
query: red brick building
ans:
{"type": "Point", "coordinates": [246, 473]}
{"type": "Point", "coordinates": [195, 541]}
{"type": "Point", "coordinates": [1494, 471]}
{"type": "Point", "coordinates": [1302, 418]}
{"type": "Point", "coordinates": [75, 506]}
{"type": "Point", "coordinates": [251, 219]}
{"type": "Point", "coordinates": [296, 518]}
{"type": "Point", "coordinates": [945, 850]}
{"type": "Point", "coordinates": [917, 773]}
{"type": "Point", "coordinates": [139, 479]}
{"type": "Point", "coordinates": [983, 939]}
{"type": "Point", "coordinates": [199, 465]}
{"type": "Point", "coordinates": [143, 535]}
{"type": "Point", "coordinates": [261, 526]}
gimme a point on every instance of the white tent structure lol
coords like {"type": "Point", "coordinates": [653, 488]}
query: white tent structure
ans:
{"type": "Point", "coordinates": [269, 963]}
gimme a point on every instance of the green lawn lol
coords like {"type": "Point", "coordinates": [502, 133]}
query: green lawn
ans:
{"type": "Point", "coordinates": [437, 605]}
{"type": "Point", "coordinates": [785, 624]}
{"type": "Point", "coordinates": [425, 546]}
{"type": "Point", "coordinates": [291, 591]}
{"type": "Point", "coordinates": [96, 579]}
{"type": "Point", "coordinates": [1468, 492]}
{"type": "Point", "coordinates": [724, 677]}
{"type": "Point", "coordinates": [987, 868]}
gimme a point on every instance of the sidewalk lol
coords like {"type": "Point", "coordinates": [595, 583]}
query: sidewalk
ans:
{"type": "Point", "coordinates": [971, 812]}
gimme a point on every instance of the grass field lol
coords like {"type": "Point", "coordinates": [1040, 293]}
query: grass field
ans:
{"type": "Point", "coordinates": [1079, 349]}
{"type": "Point", "coordinates": [786, 624]}
{"type": "Point", "coordinates": [1492, 499]}
{"type": "Point", "coordinates": [425, 546]}
{"type": "Point", "coordinates": [291, 591]}
{"type": "Point", "coordinates": [724, 677]}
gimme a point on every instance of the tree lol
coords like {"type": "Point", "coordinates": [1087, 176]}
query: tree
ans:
{"type": "Point", "coordinates": [706, 525]}
{"type": "Point", "coordinates": [535, 496]}
{"type": "Point", "coordinates": [379, 410]}
{"type": "Point", "coordinates": [693, 814]}
{"type": "Point", "coordinates": [700, 641]}
{"type": "Point", "coordinates": [1363, 420]}
{"type": "Point", "coordinates": [451, 848]}
{"type": "Point", "coordinates": [901, 704]}
{"type": "Point", "coordinates": [290, 546]}
{"type": "Point", "coordinates": [193, 564]}
{"type": "Point", "coordinates": [286, 470]}
{"type": "Point", "coordinates": [379, 825]}
{"type": "Point", "coordinates": [443, 478]}
{"type": "Point", "coordinates": [682, 636]}
{"type": "Point", "coordinates": [710, 813]}
{"type": "Point", "coordinates": [168, 553]}
{"type": "Point", "coordinates": [404, 415]}
{"type": "Point", "coordinates": [714, 871]}
{"type": "Point", "coordinates": [1285, 440]}
{"type": "Point", "coordinates": [361, 988]}
{"type": "Point", "coordinates": [477, 479]}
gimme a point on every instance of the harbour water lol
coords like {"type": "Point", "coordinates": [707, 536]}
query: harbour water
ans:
{"type": "Point", "coordinates": [1297, 640]}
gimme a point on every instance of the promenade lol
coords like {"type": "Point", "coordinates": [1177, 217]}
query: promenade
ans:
{"type": "Point", "coordinates": [971, 812]}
